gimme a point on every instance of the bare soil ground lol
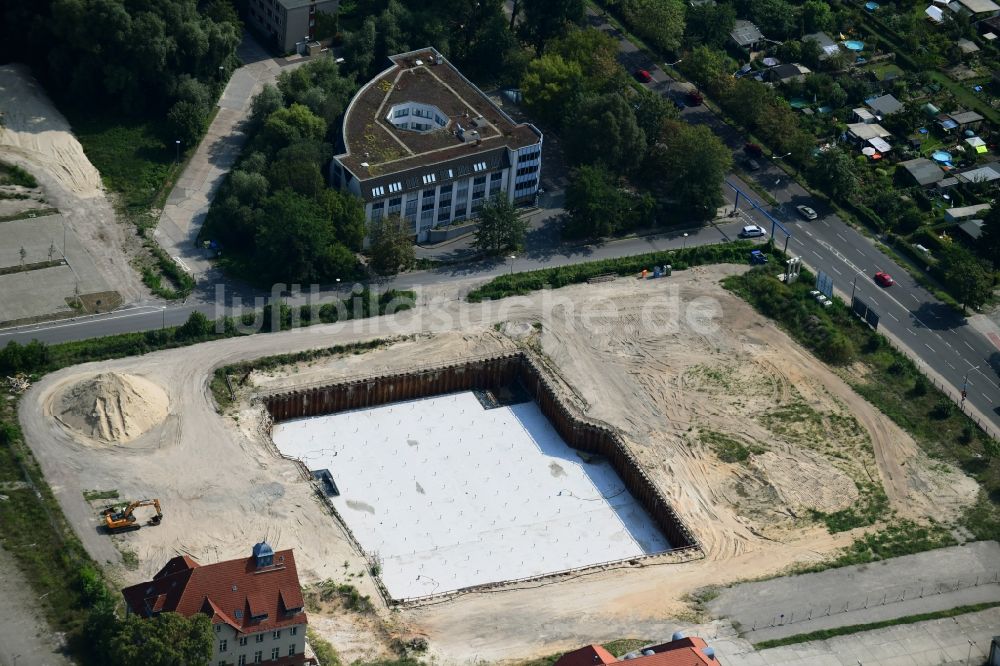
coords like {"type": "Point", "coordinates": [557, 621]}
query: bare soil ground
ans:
{"type": "Point", "coordinates": [690, 375]}
{"type": "Point", "coordinates": [36, 137]}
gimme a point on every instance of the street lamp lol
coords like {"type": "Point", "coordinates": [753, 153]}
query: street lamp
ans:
{"type": "Point", "coordinates": [972, 643]}
{"type": "Point", "coordinates": [854, 286]}
{"type": "Point", "coordinates": [965, 383]}
{"type": "Point", "coordinates": [177, 156]}
{"type": "Point", "coordinates": [163, 317]}
{"type": "Point", "coordinates": [780, 157]}
{"type": "Point", "coordinates": [511, 258]}
{"type": "Point", "coordinates": [685, 240]}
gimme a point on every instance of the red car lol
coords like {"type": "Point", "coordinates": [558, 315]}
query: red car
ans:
{"type": "Point", "coordinates": [753, 149]}
{"type": "Point", "coordinates": [695, 98]}
{"type": "Point", "coordinates": [883, 279]}
{"type": "Point", "coordinates": [643, 75]}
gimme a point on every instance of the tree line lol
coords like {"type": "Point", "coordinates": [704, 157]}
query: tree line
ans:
{"type": "Point", "coordinates": [167, 58]}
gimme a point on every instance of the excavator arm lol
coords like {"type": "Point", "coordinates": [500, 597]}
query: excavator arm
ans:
{"type": "Point", "coordinates": [125, 519]}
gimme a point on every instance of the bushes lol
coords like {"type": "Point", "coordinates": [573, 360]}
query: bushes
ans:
{"type": "Point", "coordinates": [525, 283]}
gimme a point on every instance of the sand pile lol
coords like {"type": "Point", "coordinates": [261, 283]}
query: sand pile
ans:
{"type": "Point", "coordinates": [33, 129]}
{"type": "Point", "coordinates": [112, 407]}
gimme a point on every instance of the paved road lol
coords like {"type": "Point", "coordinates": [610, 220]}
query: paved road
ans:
{"type": "Point", "coordinates": [950, 346]}
{"type": "Point", "coordinates": [909, 585]}
{"type": "Point", "coordinates": [959, 641]}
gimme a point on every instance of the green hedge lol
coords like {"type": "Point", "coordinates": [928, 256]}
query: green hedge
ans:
{"type": "Point", "coordinates": [525, 283]}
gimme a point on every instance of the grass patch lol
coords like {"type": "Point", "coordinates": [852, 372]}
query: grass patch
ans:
{"type": "Point", "coordinates": [94, 495]}
{"type": "Point", "coordinates": [728, 449]}
{"type": "Point", "coordinates": [28, 214]}
{"type": "Point", "coordinates": [519, 284]}
{"type": "Point", "coordinates": [871, 507]}
{"type": "Point", "coordinates": [181, 282]}
{"type": "Point", "coordinates": [330, 591]}
{"type": "Point", "coordinates": [824, 634]}
{"type": "Point", "coordinates": [324, 652]}
{"type": "Point", "coordinates": [891, 382]}
{"type": "Point", "coordinates": [11, 174]}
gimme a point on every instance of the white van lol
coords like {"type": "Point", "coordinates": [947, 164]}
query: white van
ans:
{"type": "Point", "coordinates": [752, 231]}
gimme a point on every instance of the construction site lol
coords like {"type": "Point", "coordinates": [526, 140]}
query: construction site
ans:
{"type": "Point", "coordinates": [459, 471]}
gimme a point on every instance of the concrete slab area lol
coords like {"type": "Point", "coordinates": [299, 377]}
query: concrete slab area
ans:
{"type": "Point", "coordinates": [43, 292]}
{"type": "Point", "coordinates": [960, 640]}
{"type": "Point", "coordinates": [910, 585]}
{"type": "Point", "coordinates": [448, 494]}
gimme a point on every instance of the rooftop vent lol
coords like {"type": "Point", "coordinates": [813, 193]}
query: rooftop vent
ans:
{"type": "Point", "coordinates": [418, 62]}
{"type": "Point", "coordinates": [678, 635]}
{"type": "Point", "coordinates": [709, 652]}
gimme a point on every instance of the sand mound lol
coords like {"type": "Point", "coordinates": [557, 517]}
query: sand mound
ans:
{"type": "Point", "coordinates": [34, 130]}
{"type": "Point", "coordinates": [112, 407]}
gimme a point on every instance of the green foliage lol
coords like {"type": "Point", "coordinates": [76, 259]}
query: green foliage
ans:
{"type": "Point", "coordinates": [551, 86]}
{"type": "Point", "coordinates": [599, 207]}
{"type": "Point", "coordinates": [11, 174]}
{"type": "Point", "coordinates": [872, 506]}
{"type": "Point", "coordinates": [501, 227]}
{"type": "Point", "coordinates": [29, 358]}
{"type": "Point", "coordinates": [709, 24]}
{"type": "Point", "coordinates": [966, 276]}
{"type": "Point", "coordinates": [989, 242]}
{"type": "Point", "coordinates": [727, 448]}
{"type": "Point", "coordinates": [689, 164]}
{"type": "Point", "coordinates": [597, 54]}
{"type": "Point", "coordinates": [519, 284]}
{"type": "Point", "coordinates": [544, 20]}
{"type": "Point", "coordinates": [659, 22]}
{"type": "Point", "coordinates": [197, 327]}
{"type": "Point", "coordinates": [834, 171]}
{"type": "Point", "coordinates": [168, 639]}
{"type": "Point", "coordinates": [825, 634]}
{"type": "Point", "coordinates": [325, 653]}
{"type": "Point", "coordinates": [391, 246]}
{"type": "Point", "coordinates": [605, 129]}
{"type": "Point", "coordinates": [122, 56]}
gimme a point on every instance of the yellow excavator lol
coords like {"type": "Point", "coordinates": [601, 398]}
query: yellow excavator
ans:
{"type": "Point", "coordinates": [121, 519]}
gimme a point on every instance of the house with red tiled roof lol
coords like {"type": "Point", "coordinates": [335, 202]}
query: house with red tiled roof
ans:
{"type": "Point", "coordinates": [681, 651]}
{"type": "Point", "coordinates": [255, 605]}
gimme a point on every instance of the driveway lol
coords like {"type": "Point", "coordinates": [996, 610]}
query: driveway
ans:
{"type": "Point", "coordinates": [189, 201]}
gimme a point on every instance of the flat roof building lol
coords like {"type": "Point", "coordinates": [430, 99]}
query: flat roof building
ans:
{"type": "Point", "coordinates": [978, 9]}
{"type": "Point", "coordinates": [423, 142]}
{"type": "Point", "coordinates": [827, 47]}
{"type": "Point", "coordinates": [286, 23]}
{"type": "Point", "coordinates": [886, 105]}
{"type": "Point", "coordinates": [923, 171]}
{"type": "Point", "coordinates": [746, 35]}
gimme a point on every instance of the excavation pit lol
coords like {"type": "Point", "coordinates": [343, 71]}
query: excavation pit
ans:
{"type": "Point", "coordinates": [472, 475]}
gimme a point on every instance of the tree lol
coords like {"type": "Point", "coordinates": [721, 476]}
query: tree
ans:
{"type": "Point", "coordinates": [264, 103]}
{"type": "Point", "coordinates": [544, 20]}
{"type": "Point", "coordinates": [711, 69]}
{"type": "Point", "coordinates": [169, 639]}
{"type": "Point", "coordinates": [651, 112]}
{"type": "Point", "coordinates": [501, 228]}
{"type": "Point", "coordinates": [834, 172]}
{"type": "Point", "coordinates": [359, 49]}
{"type": "Point", "coordinates": [968, 277]}
{"type": "Point", "coordinates": [690, 162]}
{"type": "Point", "coordinates": [777, 18]}
{"type": "Point", "coordinates": [186, 122]}
{"type": "Point", "coordinates": [551, 86]}
{"type": "Point", "coordinates": [295, 242]}
{"type": "Point", "coordinates": [196, 327]}
{"type": "Point", "coordinates": [989, 242]}
{"type": "Point", "coordinates": [661, 22]}
{"type": "Point", "coordinates": [816, 16]}
{"type": "Point", "coordinates": [709, 24]}
{"type": "Point", "coordinates": [597, 207]}
{"type": "Point", "coordinates": [391, 245]}
{"type": "Point", "coordinates": [596, 53]}
{"type": "Point", "coordinates": [288, 125]}
{"type": "Point", "coordinates": [605, 129]}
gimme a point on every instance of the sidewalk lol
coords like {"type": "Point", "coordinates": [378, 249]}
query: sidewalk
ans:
{"type": "Point", "coordinates": [189, 201]}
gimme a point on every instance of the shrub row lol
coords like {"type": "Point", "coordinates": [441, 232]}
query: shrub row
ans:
{"type": "Point", "coordinates": [524, 283]}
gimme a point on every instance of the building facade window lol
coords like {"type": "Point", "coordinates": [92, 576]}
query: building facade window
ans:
{"type": "Point", "coordinates": [243, 640]}
{"type": "Point", "coordinates": [527, 157]}
{"type": "Point", "coordinates": [258, 657]}
{"type": "Point", "coordinates": [295, 631]}
{"type": "Point", "coordinates": [223, 645]}
{"type": "Point", "coordinates": [259, 638]}
{"type": "Point", "coordinates": [276, 635]}
{"type": "Point", "coordinates": [275, 653]}
{"type": "Point", "coordinates": [242, 661]}
{"type": "Point", "coordinates": [291, 650]}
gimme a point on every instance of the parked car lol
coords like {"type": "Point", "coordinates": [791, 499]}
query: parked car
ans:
{"type": "Point", "coordinates": [883, 279]}
{"type": "Point", "coordinates": [753, 165]}
{"type": "Point", "coordinates": [752, 231]}
{"type": "Point", "coordinates": [643, 75]}
{"type": "Point", "coordinates": [695, 98]}
{"type": "Point", "coordinates": [807, 212]}
{"type": "Point", "coordinates": [753, 149]}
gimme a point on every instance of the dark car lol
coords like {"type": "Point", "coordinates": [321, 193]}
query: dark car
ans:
{"type": "Point", "coordinates": [753, 164]}
{"type": "Point", "coordinates": [643, 75]}
{"type": "Point", "coordinates": [695, 98]}
{"type": "Point", "coordinates": [753, 149]}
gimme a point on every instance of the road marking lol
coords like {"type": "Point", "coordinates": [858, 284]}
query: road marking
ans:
{"type": "Point", "coordinates": [825, 222]}
{"type": "Point", "coordinates": [87, 319]}
{"type": "Point", "coordinates": [948, 344]}
{"type": "Point", "coordinates": [951, 366]}
{"type": "Point", "coordinates": [914, 298]}
{"type": "Point", "coordinates": [841, 237]}
{"type": "Point", "coordinates": [816, 253]}
{"type": "Point", "coordinates": [892, 315]}
{"type": "Point", "coordinates": [807, 233]}
{"type": "Point", "coordinates": [929, 347]}
{"type": "Point", "coordinates": [912, 332]}
{"type": "Point", "coordinates": [968, 345]}
{"type": "Point", "coordinates": [836, 270]}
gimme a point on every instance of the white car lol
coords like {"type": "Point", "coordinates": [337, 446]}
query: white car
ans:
{"type": "Point", "coordinates": [807, 212]}
{"type": "Point", "coordinates": [752, 231]}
